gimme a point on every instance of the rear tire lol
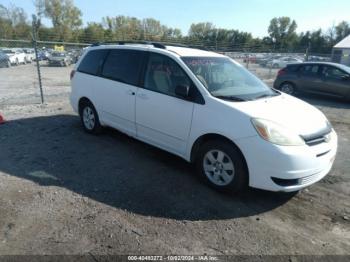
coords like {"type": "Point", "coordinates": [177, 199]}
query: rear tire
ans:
{"type": "Point", "coordinates": [89, 118]}
{"type": "Point", "coordinates": [221, 166]}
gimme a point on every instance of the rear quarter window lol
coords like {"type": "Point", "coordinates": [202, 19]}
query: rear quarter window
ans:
{"type": "Point", "coordinates": [92, 61]}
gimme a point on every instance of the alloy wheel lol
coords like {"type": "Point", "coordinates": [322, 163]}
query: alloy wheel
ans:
{"type": "Point", "coordinates": [218, 167]}
{"type": "Point", "coordinates": [287, 88]}
{"type": "Point", "coordinates": [89, 118]}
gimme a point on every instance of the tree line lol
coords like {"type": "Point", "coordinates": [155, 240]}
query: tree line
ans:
{"type": "Point", "coordinates": [67, 26]}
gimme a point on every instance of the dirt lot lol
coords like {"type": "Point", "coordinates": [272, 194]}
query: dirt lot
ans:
{"type": "Point", "coordinates": [65, 192]}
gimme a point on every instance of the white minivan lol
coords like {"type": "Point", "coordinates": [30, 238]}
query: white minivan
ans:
{"type": "Point", "coordinates": [207, 109]}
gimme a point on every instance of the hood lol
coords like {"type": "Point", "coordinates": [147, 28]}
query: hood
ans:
{"type": "Point", "coordinates": [288, 111]}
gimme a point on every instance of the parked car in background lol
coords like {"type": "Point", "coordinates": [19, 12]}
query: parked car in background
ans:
{"type": "Point", "coordinates": [266, 60]}
{"type": "Point", "coordinates": [59, 59]}
{"type": "Point", "coordinates": [283, 61]}
{"type": "Point", "coordinates": [16, 56]}
{"type": "Point", "coordinates": [315, 77]}
{"type": "Point", "coordinates": [318, 59]}
{"type": "Point", "coordinates": [250, 58]}
{"type": "Point", "coordinates": [4, 60]}
{"type": "Point", "coordinates": [74, 54]}
{"type": "Point", "coordinates": [42, 55]}
{"type": "Point", "coordinates": [207, 109]}
{"type": "Point", "coordinates": [30, 54]}
{"type": "Point", "coordinates": [46, 54]}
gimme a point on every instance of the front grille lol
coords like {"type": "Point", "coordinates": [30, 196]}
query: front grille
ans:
{"type": "Point", "coordinates": [319, 137]}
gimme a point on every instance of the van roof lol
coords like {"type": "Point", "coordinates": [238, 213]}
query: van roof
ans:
{"type": "Point", "coordinates": [177, 49]}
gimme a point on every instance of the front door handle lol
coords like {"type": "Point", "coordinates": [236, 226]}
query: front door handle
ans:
{"type": "Point", "coordinates": [130, 92]}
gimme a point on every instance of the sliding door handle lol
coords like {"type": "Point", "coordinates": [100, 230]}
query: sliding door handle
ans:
{"type": "Point", "coordinates": [143, 96]}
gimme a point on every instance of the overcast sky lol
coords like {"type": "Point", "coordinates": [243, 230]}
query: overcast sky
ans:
{"type": "Point", "coordinates": [245, 15]}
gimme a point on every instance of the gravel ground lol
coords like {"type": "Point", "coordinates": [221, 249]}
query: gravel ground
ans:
{"type": "Point", "coordinates": [63, 191]}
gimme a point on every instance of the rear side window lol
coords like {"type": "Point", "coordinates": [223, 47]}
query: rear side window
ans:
{"type": "Point", "coordinates": [92, 62]}
{"type": "Point", "coordinates": [123, 66]}
{"type": "Point", "coordinates": [310, 70]}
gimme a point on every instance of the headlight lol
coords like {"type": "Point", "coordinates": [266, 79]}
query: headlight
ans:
{"type": "Point", "coordinates": [276, 133]}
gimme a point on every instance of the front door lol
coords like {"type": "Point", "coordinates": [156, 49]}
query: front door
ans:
{"type": "Point", "coordinates": [162, 118]}
{"type": "Point", "coordinates": [336, 81]}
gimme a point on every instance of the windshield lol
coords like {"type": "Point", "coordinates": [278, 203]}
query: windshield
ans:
{"type": "Point", "coordinates": [226, 79]}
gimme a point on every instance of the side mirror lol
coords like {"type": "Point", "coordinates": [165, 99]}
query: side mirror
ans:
{"type": "Point", "coordinates": [182, 91]}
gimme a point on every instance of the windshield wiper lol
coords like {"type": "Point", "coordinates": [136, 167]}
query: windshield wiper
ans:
{"type": "Point", "coordinates": [265, 95]}
{"type": "Point", "coordinates": [231, 98]}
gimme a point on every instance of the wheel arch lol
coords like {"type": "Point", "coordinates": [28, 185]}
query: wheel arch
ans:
{"type": "Point", "coordinates": [214, 136]}
{"type": "Point", "coordinates": [82, 101]}
{"type": "Point", "coordinates": [209, 137]}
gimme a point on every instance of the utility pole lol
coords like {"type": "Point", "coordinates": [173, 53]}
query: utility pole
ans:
{"type": "Point", "coordinates": [307, 52]}
{"type": "Point", "coordinates": [35, 26]}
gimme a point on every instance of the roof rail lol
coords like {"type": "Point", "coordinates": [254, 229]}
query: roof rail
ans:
{"type": "Point", "coordinates": [161, 45]}
{"type": "Point", "coordinates": [155, 44]}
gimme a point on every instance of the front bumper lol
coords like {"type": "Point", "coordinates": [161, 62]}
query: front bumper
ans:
{"type": "Point", "coordinates": [298, 166]}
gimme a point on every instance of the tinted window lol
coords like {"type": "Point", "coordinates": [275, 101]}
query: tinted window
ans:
{"type": "Point", "coordinates": [310, 70]}
{"type": "Point", "coordinates": [123, 66]}
{"type": "Point", "coordinates": [163, 74]}
{"type": "Point", "coordinates": [333, 72]}
{"type": "Point", "coordinates": [292, 68]}
{"type": "Point", "coordinates": [92, 61]}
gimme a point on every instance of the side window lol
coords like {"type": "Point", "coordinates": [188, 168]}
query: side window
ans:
{"type": "Point", "coordinates": [123, 66]}
{"type": "Point", "coordinates": [92, 61]}
{"type": "Point", "coordinates": [163, 74]}
{"type": "Point", "coordinates": [333, 72]}
{"type": "Point", "coordinates": [292, 68]}
{"type": "Point", "coordinates": [310, 70]}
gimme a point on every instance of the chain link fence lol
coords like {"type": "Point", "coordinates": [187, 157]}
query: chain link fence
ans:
{"type": "Point", "coordinates": [34, 72]}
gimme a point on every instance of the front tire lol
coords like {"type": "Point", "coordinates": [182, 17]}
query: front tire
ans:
{"type": "Point", "coordinates": [89, 118]}
{"type": "Point", "coordinates": [221, 166]}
